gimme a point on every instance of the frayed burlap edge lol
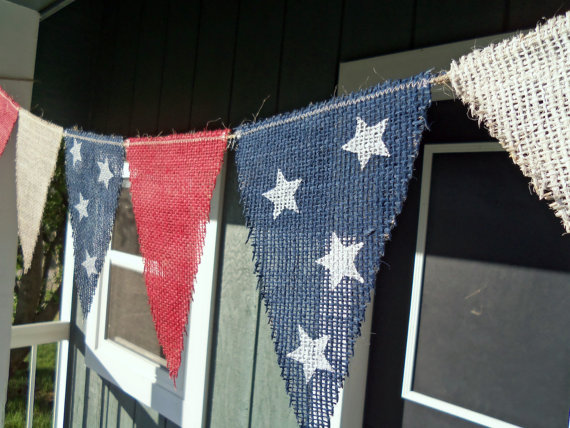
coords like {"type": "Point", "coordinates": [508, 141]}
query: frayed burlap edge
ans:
{"type": "Point", "coordinates": [520, 90]}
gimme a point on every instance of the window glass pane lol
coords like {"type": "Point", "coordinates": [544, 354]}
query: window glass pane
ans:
{"type": "Point", "coordinates": [129, 321]}
{"type": "Point", "coordinates": [496, 286]}
{"type": "Point", "coordinates": [125, 236]}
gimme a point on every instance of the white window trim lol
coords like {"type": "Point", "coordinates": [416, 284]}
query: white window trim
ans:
{"type": "Point", "coordinates": [354, 76]}
{"type": "Point", "coordinates": [63, 346]}
{"type": "Point", "coordinates": [146, 380]}
{"type": "Point", "coordinates": [409, 366]}
{"type": "Point", "coordinates": [142, 378]}
{"type": "Point", "coordinates": [18, 39]}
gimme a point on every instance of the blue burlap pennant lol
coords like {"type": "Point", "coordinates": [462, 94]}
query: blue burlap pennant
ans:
{"type": "Point", "coordinates": [93, 166]}
{"type": "Point", "coordinates": [321, 189]}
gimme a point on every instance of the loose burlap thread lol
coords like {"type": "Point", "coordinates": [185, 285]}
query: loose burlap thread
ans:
{"type": "Point", "coordinates": [8, 115]}
{"type": "Point", "coordinates": [172, 182]}
{"type": "Point", "coordinates": [37, 145]}
{"type": "Point", "coordinates": [520, 90]}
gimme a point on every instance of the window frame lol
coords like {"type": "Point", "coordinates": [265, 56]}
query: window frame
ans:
{"type": "Point", "coordinates": [147, 381]}
{"type": "Point", "coordinates": [417, 287]}
{"type": "Point", "coordinates": [353, 76]}
{"type": "Point", "coordinates": [142, 378]}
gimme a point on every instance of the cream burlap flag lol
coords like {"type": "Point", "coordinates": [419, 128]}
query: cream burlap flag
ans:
{"type": "Point", "coordinates": [520, 89]}
{"type": "Point", "coordinates": [37, 144]}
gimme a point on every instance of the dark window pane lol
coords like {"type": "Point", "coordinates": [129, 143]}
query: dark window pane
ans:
{"type": "Point", "coordinates": [129, 321]}
{"type": "Point", "coordinates": [125, 236]}
{"type": "Point", "coordinates": [494, 313]}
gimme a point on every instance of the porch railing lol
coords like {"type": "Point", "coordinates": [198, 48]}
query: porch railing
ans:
{"type": "Point", "coordinates": [32, 335]}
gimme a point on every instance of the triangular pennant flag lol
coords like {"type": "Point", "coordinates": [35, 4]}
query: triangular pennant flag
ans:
{"type": "Point", "coordinates": [37, 145]}
{"type": "Point", "coordinates": [8, 115]}
{"type": "Point", "coordinates": [93, 168]}
{"type": "Point", "coordinates": [321, 189]}
{"type": "Point", "coordinates": [172, 182]}
{"type": "Point", "coordinates": [519, 88]}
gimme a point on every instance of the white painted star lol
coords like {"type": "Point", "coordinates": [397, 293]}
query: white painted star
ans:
{"type": "Point", "coordinates": [89, 264]}
{"type": "Point", "coordinates": [340, 261]}
{"type": "Point", "coordinates": [105, 173]}
{"type": "Point", "coordinates": [76, 151]}
{"type": "Point", "coordinates": [311, 353]}
{"type": "Point", "coordinates": [283, 195]}
{"type": "Point", "coordinates": [81, 207]}
{"type": "Point", "coordinates": [367, 141]}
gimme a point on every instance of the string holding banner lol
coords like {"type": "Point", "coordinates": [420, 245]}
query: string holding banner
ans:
{"type": "Point", "coordinates": [321, 189]}
{"type": "Point", "coordinates": [440, 79]}
{"type": "Point", "coordinates": [232, 138]}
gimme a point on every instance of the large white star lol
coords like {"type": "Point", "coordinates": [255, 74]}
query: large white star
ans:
{"type": "Point", "coordinates": [76, 151]}
{"type": "Point", "coordinates": [340, 261]}
{"type": "Point", "coordinates": [81, 207]}
{"type": "Point", "coordinates": [367, 141]}
{"type": "Point", "coordinates": [89, 264]}
{"type": "Point", "coordinates": [283, 195]}
{"type": "Point", "coordinates": [311, 353]}
{"type": "Point", "coordinates": [105, 173]}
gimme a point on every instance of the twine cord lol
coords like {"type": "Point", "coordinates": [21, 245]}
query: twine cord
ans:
{"type": "Point", "coordinates": [10, 100]}
{"type": "Point", "coordinates": [441, 79]}
{"type": "Point", "coordinates": [18, 79]}
{"type": "Point", "coordinates": [92, 140]}
{"type": "Point", "coordinates": [232, 138]}
{"type": "Point", "coordinates": [173, 140]}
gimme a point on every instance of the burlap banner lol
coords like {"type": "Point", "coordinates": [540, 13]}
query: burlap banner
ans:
{"type": "Point", "coordinates": [37, 145]}
{"type": "Point", "coordinates": [321, 189]}
{"type": "Point", "coordinates": [93, 168]}
{"type": "Point", "coordinates": [520, 90]}
{"type": "Point", "coordinates": [8, 115]}
{"type": "Point", "coordinates": [172, 182]}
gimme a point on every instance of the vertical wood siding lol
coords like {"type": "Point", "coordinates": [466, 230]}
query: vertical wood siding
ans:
{"type": "Point", "coordinates": [144, 67]}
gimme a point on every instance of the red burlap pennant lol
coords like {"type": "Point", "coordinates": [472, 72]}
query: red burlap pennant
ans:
{"type": "Point", "coordinates": [172, 181]}
{"type": "Point", "coordinates": [8, 115]}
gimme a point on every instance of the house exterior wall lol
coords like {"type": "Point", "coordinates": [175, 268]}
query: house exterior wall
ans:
{"type": "Point", "coordinates": [136, 67]}
{"type": "Point", "coordinates": [18, 38]}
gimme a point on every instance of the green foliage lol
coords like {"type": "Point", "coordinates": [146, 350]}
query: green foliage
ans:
{"type": "Point", "coordinates": [52, 233]}
{"type": "Point", "coordinates": [37, 293]}
{"type": "Point", "coordinates": [55, 213]}
{"type": "Point", "coordinates": [44, 392]}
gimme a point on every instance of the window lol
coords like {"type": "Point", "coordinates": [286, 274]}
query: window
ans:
{"type": "Point", "coordinates": [129, 321]}
{"type": "Point", "coordinates": [121, 343]}
{"type": "Point", "coordinates": [353, 76]}
{"type": "Point", "coordinates": [490, 278]}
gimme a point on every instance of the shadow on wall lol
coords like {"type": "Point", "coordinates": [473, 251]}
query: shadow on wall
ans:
{"type": "Point", "coordinates": [92, 397]}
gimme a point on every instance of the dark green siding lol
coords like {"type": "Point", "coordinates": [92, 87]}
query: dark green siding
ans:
{"type": "Point", "coordinates": [135, 67]}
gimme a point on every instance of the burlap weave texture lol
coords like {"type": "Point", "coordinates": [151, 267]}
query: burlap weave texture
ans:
{"type": "Point", "coordinates": [37, 145]}
{"type": "Point", "coordinates": [172, 182]}
{"type": "Point", "coordinates": [93, 170]}
{"type": "Point", "coordinates": [8, 115]}
{"type": "Point", "coordinates": [520, 90]}
{"type": "Point", "coordinates": [321, 188]}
